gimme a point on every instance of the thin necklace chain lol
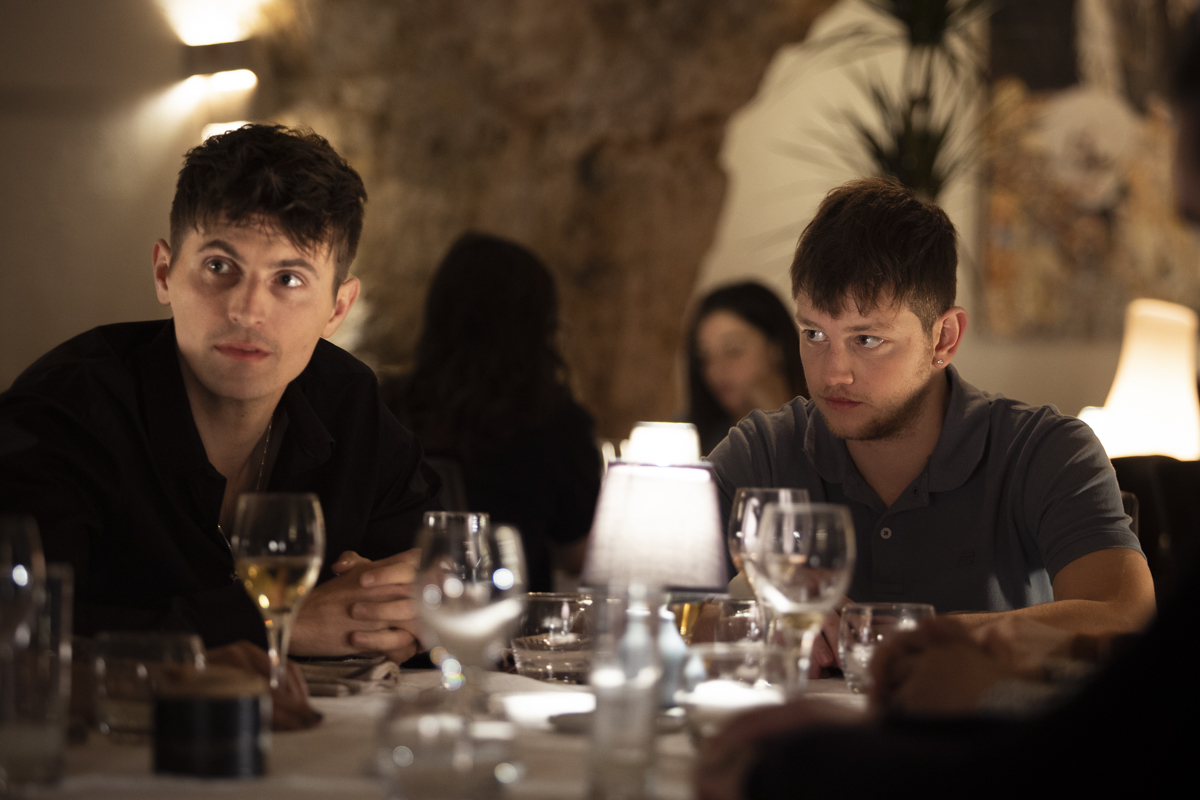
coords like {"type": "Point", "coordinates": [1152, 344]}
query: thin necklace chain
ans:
{"type": "Point", "coordinates": [262, 465]}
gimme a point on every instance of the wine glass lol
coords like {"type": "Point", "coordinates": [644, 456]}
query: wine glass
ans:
{"type": "Point", "coordinates": [278, 544]}
{"type": "Point", "coordinates": [744, 521]}
{"type": "Point", "coordinates": [803, 565]}
{"type": "Point", "coordinates": [22, 573]}
{"type": "Point", "coordinates": [472, 588]}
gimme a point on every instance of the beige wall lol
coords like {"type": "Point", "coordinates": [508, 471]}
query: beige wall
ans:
{"type": "Point", "coordinates": [91, 139]}
{"type": "Point", "coordinates": [774, 190]}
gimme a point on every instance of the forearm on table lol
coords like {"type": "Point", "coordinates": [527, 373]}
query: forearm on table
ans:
{"type": "Point", "coordinates": [1094, 618]}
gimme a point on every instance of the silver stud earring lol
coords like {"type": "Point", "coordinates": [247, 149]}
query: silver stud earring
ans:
{"type": "Point", "coordinates": [940, 362]}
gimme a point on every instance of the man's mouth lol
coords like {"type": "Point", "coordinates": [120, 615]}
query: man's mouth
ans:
{"type": "Point", "coordinates": [841, 403]}
{"type": "Point", "coordinates": [242, 351]}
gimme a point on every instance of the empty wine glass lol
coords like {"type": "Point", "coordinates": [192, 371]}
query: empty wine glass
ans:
{"type": "Point", "coordinates": [472, 589]}
{"type": "Point", "coordinates": [804, 562]}
{"type": "Point", "coordinates": [744, 520]}
{"type": "Point", "coordinates": [278, 544]}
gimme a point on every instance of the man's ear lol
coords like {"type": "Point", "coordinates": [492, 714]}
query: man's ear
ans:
{"type": "Point", "coordinates": [948, 332]}
{"type": "Point", "coordinates": [162, 268]}
{"type": "Point", "coordinates": [347, 293]}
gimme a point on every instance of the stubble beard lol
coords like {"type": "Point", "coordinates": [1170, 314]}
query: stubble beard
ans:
{"type": "Point", "coordinates": [891, 426]}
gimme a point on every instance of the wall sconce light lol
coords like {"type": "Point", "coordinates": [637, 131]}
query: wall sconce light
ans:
{"type": "Point", "coordinates": [1153, 407]}
{"type": "Point", "coordinates": [225, 66]}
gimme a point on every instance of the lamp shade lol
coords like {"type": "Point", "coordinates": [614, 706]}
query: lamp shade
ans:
{"type": "Point", "coordinates": [657, 525]}
{"type": "Point", "coordinates": [1152, 408]}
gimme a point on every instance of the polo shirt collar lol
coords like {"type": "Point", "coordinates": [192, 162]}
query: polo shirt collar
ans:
{"type": "Point", "coordinates": [176, 441]}
{"type": "Point", "coordinates": [958, 451]}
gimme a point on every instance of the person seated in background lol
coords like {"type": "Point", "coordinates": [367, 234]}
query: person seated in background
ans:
{"type": "Point", "coordinates": [133, 441]}
{"type": "Point", "coordinates": [489, 392]}
{"type": "Point", "coordinates": [965, 500]}
{"type": "Point", "coordinates": [743, 354]}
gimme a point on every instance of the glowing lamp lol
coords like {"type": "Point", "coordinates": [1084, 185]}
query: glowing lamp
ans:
{"type": "Point", "coordinates": [1153, 407]}
{"type": "Point", "coordinates": [662, 443]}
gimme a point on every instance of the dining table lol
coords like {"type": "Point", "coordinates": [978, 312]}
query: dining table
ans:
{"type": "Point", "coordinates": [337, 758]}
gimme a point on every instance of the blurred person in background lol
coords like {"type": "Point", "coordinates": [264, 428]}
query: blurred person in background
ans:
{"type": "Point", "coordinates": [743, 354]}
{"type": "Point", "coordinates": [489, 394]}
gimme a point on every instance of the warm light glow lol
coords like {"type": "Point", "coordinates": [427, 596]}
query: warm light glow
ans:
{"type": "Point", "coordinates": [232, 80]}
{"type": "Point", "coordinates": [217, 128]}
{"type": "Point", "coordinates": [1152, 408]}
{"type": "Point", "coordinates": [662, 443]}
{"type": "Point", "coordinates": [199, 22]}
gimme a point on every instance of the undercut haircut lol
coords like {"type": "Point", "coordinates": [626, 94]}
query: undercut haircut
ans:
{"type": "Point", "coordinates": [874, 242]}
{"type": "Point", "coordinates": [269, 174]}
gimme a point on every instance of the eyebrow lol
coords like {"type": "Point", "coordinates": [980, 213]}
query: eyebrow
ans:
{"type": "Point", "coordinates": [224, 246]}
{"type": "Point", "coordinates": [864, 328]}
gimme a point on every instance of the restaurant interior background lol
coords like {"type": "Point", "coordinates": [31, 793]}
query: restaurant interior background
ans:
{"type": "Point", "coordinates": [647, 149]}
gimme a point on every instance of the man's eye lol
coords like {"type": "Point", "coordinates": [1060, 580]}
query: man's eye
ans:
{"type": "Point", "coordinates": [219, 266]}
{"type": "Point", "coordinates": [289, 280]}
{"type": "Point", "coordinates": [814, 336]}
{"type": "Point", "coordinates": [870, 342]}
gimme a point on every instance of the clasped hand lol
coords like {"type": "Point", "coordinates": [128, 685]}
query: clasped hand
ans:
{"type": "Point", "coordinates": [367, 608]}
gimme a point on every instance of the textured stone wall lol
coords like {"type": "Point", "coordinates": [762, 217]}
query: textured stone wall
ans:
{"type": "Point", "coordinates": [586, 129]}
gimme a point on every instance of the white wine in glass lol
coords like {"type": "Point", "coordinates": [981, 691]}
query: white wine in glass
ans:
{"type": "Point", "coordinates": [804, 562]}
{"type": "Point", "coordinates": [278, 545]}
{"type": "Point", "coordinates": [744, 520]}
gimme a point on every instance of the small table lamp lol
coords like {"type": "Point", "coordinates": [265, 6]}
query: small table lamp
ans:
{"type": "Point", "coordinates": [657, 520]}
{"type": "Point", "coordinates": [1152, 408]}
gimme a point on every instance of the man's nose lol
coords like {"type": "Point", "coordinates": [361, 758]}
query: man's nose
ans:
{"type": "Point", "coordinates": [836, 368]}
{"type": "Point", "coordinates": [248, 305]}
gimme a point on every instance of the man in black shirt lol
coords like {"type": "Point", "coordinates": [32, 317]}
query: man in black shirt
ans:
{"type": "Point", "coordinates": [131, 443]}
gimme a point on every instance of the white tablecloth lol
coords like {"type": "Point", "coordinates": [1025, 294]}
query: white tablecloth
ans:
{"type": "Point", "coordinates": [336, 758]}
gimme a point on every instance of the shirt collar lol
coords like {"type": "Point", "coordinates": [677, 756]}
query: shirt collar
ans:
{"type": "Point", "coordinates": [958, 451]}
{"type": "Point", "coordinates": [176, 441]}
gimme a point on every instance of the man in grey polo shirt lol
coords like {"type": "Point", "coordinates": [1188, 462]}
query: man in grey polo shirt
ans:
{"type": "Point", "coordinates": [969, 501]}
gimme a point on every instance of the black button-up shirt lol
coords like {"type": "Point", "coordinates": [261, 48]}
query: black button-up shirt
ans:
{"type": "Point", "coordinates": [102, 450]}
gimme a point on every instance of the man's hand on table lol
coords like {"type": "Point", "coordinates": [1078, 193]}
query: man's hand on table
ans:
{"type": "Point", "coordinates": [940, 667]}
{"type": "Point", "coordinates": [290, 710]}
{"type": "Point", "coordinates": [367, 608]}
{"type": "Point", "coordinates": [724, 759]}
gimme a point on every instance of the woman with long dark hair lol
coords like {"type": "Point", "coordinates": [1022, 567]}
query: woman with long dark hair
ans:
{"type": "Point", "coordinates": [489, 391]}
{"type": "Point", "coordinates": [743, 354]}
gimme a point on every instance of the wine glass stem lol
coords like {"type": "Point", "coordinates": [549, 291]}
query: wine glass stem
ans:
{"type": "Point", "coordinates": [277, 650]}
{"type": "Point", "coordinates": [799, 661]}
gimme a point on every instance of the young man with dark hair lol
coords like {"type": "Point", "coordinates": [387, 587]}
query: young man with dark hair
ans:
{"type": "Point", "coordinates": [136, 439]}
{"type": "Point", "coordinates": [969, 501]}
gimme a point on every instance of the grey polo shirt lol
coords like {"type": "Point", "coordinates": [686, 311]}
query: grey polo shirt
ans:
{"type": "Point", "coordinates": [1011, 495]}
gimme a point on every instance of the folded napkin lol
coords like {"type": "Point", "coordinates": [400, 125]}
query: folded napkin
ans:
{"type": "Point", "coordinates": [342, 677]}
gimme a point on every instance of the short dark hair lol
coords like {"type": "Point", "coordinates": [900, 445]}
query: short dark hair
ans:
{"type": "Point", "coordinates": [871, 241]}
{"type": "Point", "coordinates": [291, 177]}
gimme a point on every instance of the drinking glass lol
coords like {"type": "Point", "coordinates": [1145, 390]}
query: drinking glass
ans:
{"type": "Point", "coordinates": [745, 519]}
{"type": "Point", "coordinates": [804, 562]}
{"type": "Point", "coordinates": [129, 669]}
{"type": "Point", "coordinates": [864, 627]}
{"type": "Point", "coordinates": [278, 544]}
{"type": "Point", "coordinates": [472, 589]}
{"type": "Point", "coordinates": [22, 576]}
{"type": "Point", "coordinates": [554, 639]}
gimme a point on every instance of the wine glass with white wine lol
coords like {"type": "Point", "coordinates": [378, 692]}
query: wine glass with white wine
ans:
{"type": "Point", "coordinates": [803, 563]}
{"type": "Point", "coordinates": [278, 544]}
{"type": "Point", "coordinates": [472, 589]}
